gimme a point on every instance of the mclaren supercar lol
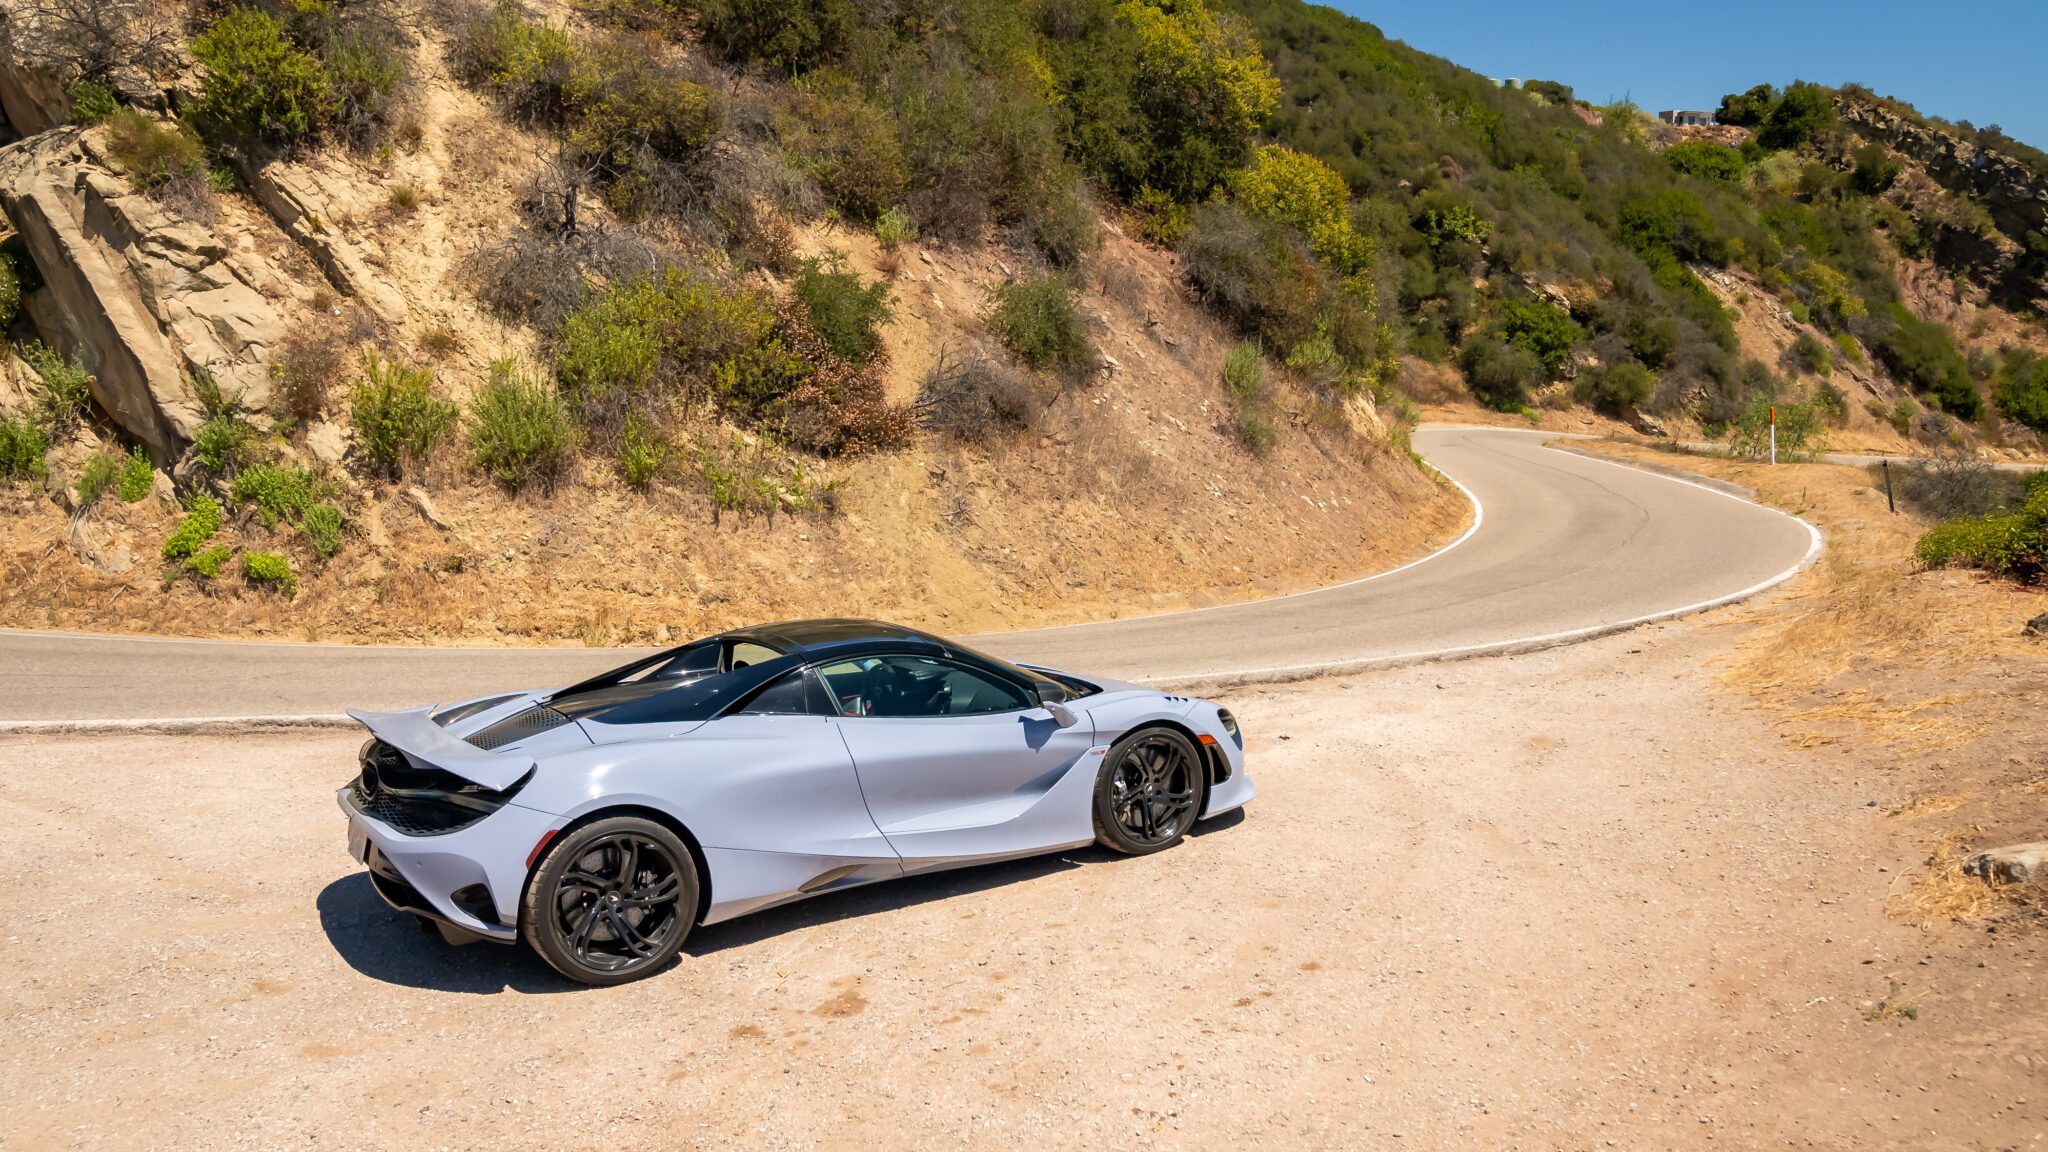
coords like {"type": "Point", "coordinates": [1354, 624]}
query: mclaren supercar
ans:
{"type": "Point", "coordinates": [603, 821]}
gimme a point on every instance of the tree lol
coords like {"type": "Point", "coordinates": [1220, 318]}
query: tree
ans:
{"type": "Point", "coordinates": [1296, 188]}
{"type": "Point", "coordinates": [1748, 109]}
{"type": "Point", "coordinates": [1202, 84]}
{"type": "Point", "coordinates": [1802, 114]}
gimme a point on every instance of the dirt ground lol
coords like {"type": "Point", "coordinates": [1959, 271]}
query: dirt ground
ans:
{"type": "Point", "coordinates": [1574, 899]}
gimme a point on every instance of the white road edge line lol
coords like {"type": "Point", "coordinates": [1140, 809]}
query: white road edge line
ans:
{"type": "Point", "coordinates": [174, 726]}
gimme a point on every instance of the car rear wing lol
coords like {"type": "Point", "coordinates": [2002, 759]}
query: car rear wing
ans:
{"type": "Point", "coordinates": [428, 745]}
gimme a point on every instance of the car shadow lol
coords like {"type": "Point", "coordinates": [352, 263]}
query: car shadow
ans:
{"type": "Point", "coordinates": [830, 908]}
{"type": "Point", "coordinates": [388, 945]}
{"type": "Point", "coordinates": [384, 944]}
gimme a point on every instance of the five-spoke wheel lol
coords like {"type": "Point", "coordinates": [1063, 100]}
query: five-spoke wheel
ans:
{"type": "Point", "coordinates": [1149, 791]}
{"type": "Point", "coordinates": [612, 900]}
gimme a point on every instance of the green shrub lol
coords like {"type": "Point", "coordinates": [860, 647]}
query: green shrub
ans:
{"type": "Point", "coordinates": [1625, 385]}
{"type": "Point", "coordinates": [520, 431]}
{"type": "Point", "coordinates": [10, 292]}
{"type": "Point", "coordinates": [1800, 430]}
{"type": "Point", "coordinates": [153, 152]}
{"type": "Point", "coordinates": [846, 312]}
{"type": "Point", "coordinates": [322, 525]}
{"type": "Point", "coordinates": [209, 562]}
{"type": "Point", "coordinates": [2014, 544]}
{"type": "Point", "coordinates": [1298, 189]}
{"type": "Point", "coordinates": [1036, 319]}
{"type": "Point", "coordinates": [1244, 371]}
{"type": "Point", "coordinates": [91, 102]}
{"type": "Point", "coordinates": [395, 419]}
{"type": "Point", "coordinates": [894, 228]}
{"type": "Point", "coordinates": [62, 390]}
{"type": "Point", "coordinates": [526, 64]}
{"type": "Point", "coordinates": [22, 444]}
{"type": "Point", "coordinates": [138, 477]}
{"type": "Point", "coordinates": [202, 520]}
{"type": "Point", "coordinates": [849, 144]}
{"type": "Point", "coordinates": [1876, 170]}
{"type": "Point", "coordinates": [99, 473]}
{"type": "Point", "coordinates": [789, 35]}
{"type": "Point", "coordinates": [1811, 355]}
{"type": "Point", "coordinates": [1255, 430]}
{"type": "Point", "coordinates": [1500, 374]}
{"type": "Point", "coordinates": [1924, 354]}
{"type": "Point", "coordinates": [2022, 393]}
{"type": "Point", "coordinates": [654, 340]}
{"type": "Point", "coordinates": [1706, 160]}
{"type": "Point", "coordinates": [1543, 328]}
{"type": "Point", "coordinates": [220, 442]}
{"type": "Point", "coordinates": [628, 109]}
{"type": "Point", "coordinates": [271, 569]}
{"type": "Point", "coordinates": [642, 452]}
{"type": "Point", "coordinates": [279, 492]}
{"type": "Point", "coordinates": [257, 82]}
{"type": "Point", "coordinates": [365, 71]}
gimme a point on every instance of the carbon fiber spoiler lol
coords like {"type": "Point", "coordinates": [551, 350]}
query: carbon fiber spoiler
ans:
{"type": "Point", "coordinates": [428, 745]}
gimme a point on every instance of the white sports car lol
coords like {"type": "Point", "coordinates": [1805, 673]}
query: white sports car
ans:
{"type": "Point", "coordinates": [603, 821]}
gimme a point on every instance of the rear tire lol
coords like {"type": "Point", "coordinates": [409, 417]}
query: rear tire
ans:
{"type": "Point", "coordinates": [1149, 792]}
{"type": "Point", "coordinates": [612, 901]}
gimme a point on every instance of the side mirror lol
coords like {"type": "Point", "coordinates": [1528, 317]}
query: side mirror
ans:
{"type": "Point", "coordinates": [1054, 699]}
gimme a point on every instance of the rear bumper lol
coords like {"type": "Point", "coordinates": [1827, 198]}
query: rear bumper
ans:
{"type": "Point", "coordinates": [470, 880]}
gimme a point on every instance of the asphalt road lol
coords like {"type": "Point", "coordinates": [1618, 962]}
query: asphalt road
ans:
{"type": "Point", "coordinates": [1565, 546]}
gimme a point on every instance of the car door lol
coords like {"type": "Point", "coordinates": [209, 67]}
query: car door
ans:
{"type": "Point", "coordinates": [787, 815]}
{"type": "Point", "coordinates": [959, 764]}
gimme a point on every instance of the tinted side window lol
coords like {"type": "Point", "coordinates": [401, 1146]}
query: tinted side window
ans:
{"type": "Point", "coordinates": [789, 696]}
{"type": "Point", "coordinates": [912, 686]}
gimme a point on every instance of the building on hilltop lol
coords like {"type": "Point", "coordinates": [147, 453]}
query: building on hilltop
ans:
{"type": "Point", "coordinates": [1687, 119]}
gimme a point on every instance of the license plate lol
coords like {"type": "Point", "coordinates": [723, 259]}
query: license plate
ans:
{"type": "Point", "coordinates": [358, 842]}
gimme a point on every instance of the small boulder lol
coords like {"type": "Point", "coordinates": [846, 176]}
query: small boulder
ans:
{"type": "Point", "coordinates": [2016, 864]}
{"type": "Point", "coordinates": [1647, 424]}
{"type": "Point", "coordinates": [2037, 627]}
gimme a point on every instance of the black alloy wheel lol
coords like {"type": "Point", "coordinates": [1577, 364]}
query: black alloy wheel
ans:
{"type": "Point", "coordinates": [1149, 792]}
{"type": "Point", "coordinates": [612, 901]}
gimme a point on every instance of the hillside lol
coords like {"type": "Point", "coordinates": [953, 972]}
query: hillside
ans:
{"type": "Point", "coordinates": [611, 320]}
{"type": "Point", "coordinates": [998, 485]}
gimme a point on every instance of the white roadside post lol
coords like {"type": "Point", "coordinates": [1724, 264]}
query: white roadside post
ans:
{"type": "Point", "coordinates": [1774, 433]}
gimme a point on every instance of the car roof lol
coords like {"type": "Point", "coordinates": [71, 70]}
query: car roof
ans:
{"type": "Point", "coordinates": [812, 637]}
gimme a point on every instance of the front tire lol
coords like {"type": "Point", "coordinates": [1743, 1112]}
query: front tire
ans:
{"type": "Point", "coordinates": [612, 901]}
{"type": "Point", "coordinates": [1149, 792]}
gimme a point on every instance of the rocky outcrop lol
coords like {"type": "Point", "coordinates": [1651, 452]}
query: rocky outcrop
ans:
{"type": "Point", "coordinates": [294, 197]}
{"type": "Point", "coordinates": [2015, 194]}
{"type": "Point", "coordinates": [143, 299]}
{"type": "Point", "coordinates": [33, 100]}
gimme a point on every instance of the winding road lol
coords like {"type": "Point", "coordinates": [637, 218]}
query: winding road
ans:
{"type": "Point", "coordinates": [1563, 547]}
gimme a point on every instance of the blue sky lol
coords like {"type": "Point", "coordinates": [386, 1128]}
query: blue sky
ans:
{"type": "Point", "coordinates": [1978, 61]}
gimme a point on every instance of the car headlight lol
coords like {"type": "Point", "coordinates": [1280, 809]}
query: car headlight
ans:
{"type": "Point", "coordinates": [1229, 723]}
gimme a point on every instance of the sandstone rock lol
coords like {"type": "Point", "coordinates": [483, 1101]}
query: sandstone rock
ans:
{"type": "Point", "coordinates": [2015, 864]}
{"type": "Point", "coordinates": [34, 100]}
{"type": "Point", "coordinates": [1647, 424]}
{"type": "Point", "coordinates": [95, 553]}
{"type": "Point", "coordinates": [293, 196]}
{"type": "Point", "coordinates": [2037, 627]}
{"type": "Point", "coordinates": [425, 504]}
{"type": "Point", "coordinates": [143, 299]}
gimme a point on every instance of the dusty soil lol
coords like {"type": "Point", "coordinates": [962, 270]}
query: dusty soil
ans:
{"type": "Point", "coordinates": [1579, 898]}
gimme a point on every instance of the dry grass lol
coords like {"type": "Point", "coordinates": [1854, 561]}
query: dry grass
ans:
{"type": "Point", "coordinates": [1922, 674]}
{"type": "Point", "coordinates": [1943, 894]}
